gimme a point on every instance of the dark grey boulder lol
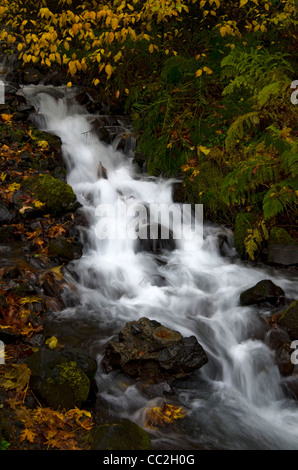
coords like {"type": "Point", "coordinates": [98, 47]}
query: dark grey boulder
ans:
{"type": "Point", "coordinates": [289, 320]}
{"type": "Point", "coordinates": [148, 350]}
{"type": "Point", "coordinates": [5, 215]}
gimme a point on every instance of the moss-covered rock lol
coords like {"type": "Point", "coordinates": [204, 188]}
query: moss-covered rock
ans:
{"type": "Point", "coordinates": [263, 291]}
{"type": "Point", "coordinates": [67, 386]}
{"type": "Point", "coordinates": [57, 195]}
{"type": "Point", "coordinates": [289, 320]}
{"type": "Point", "coordinates": [282, 248]}
{"type": "Point", "coordinates": [58, 379]}
{"type": "Point", "coordinates": [122, 435]}
{"type": "Point", "coordinates": [280, 236]}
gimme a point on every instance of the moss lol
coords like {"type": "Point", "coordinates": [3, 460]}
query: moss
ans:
{"type": "Point", "coordinates": [280, 236]}
{"type": "Point", "coordinates": [68, 386]}
{"type": "Point", "coordinates": [122, 435]}
{"type": "Point", "coordinates": [56, 194]}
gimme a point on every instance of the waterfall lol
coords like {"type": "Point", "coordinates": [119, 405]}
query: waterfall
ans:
{"type": "Point", "coordinates": [236, 401]}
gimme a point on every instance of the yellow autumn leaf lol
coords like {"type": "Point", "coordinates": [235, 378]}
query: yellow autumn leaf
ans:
{"type": "Point", "coordinates": [28, 435]}
{"type": "Point", "coordinates": [163, 415]}
{"type": "Point", "coordinates": [3, 176]}
{"type": "Point", "coordinates": [69, 85]}
{"type": "Point", "coordinates": [6, 117]}
{"type": "Point", "coordinates": [13, 187]}
{"type": "Point", "coordinates": [243, 2]}
{"type": "Point", "coordinates": [95, 82]}
{"type": "Point", "coordinates": [42, 144]}
{"type": "Point", "coordinates": [202, 149]}
{"type": "Point", "coordinates": [151, 48]}
{"type": "Point", "coordinates": [199, 72]}
{"type": "Point", "coordinates": [39, 204]}
{"type": "Point", "coordinates": [114, 23]}
{"type": "Point", "coordinates": [110, 37]}
{"type": "Point", "coordinates": [75, 28]}
{"type": "Point", "coordinates": [57, 272]}
{"type": "Point", "coordinates": [118, 56]}
{"type": "Point", "coordinates": [52, 342]}
{"type": "Point", "coordinates": [207, 70]}
{"type": "Point", "coordinates": [222, 31]}
{"type": "Point", "coordinates": [72, 68]}
{"type": "Point", "coordinates": [109, 70]}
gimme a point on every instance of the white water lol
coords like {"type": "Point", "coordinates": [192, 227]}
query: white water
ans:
{"type": "Point", "coordinates": [236, 400]}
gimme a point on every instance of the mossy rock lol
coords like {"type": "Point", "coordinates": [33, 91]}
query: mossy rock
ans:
{"type": "Point", "coordinates": [59, 380]}
{"type": "Point", "coordinates": [244, 221]}
{"type": "Point", "coordinates": [122, 435]}
{"type": "Point", "coordinates": [289, 320]}
{"type": "Point", "coordinates": [279, 235]}
{"type": "Point", "coordinates": [263, 292]}
{"type": "Point", "coordinates": [57, 195]}
{"type": "Point", "coordinates": [66, 387]}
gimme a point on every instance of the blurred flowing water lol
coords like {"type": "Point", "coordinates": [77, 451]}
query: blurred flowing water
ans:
{"type": "Point", "coordinates": [237, 400]}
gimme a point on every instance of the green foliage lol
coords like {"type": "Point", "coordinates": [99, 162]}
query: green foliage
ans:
{"type": "Point", "coordinates": [280, 236]}
{"type": "Point", "coordinates": [244, 222]}
{"type": "Point", "coordinates": [4, 445]}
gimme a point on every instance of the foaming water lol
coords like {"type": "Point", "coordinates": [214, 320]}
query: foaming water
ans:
{"type": "Point", "coordinates": [236, 401]}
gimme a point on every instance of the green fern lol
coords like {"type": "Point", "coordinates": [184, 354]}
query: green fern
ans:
{"type": "Point", "coordinates": [280, 197]}
{"type": "Point", "coordinates": [236, 131]}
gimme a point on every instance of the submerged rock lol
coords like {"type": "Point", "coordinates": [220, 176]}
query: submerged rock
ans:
{"type": "Point", "coordinates": [147, 349]}
{"type": "Point", "coordinates": [263, 292]}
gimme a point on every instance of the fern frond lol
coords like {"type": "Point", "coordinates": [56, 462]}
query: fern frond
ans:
{"type": "Point", "coordinates": [236, 130]}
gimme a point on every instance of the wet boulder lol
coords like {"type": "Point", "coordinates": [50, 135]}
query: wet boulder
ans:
{"type": "Point", "coordinates": [148, 350]}
{"type": "Point", "coordinates": [5, 215]}
{"type": "Point", "coordinates": [289, 320]}
{"type": "Point", "coordinates": [66, 249]}
{"type": "Point", "coordinates": [156, 243]}
{"type": "Point", "coordinates": [263, 292]}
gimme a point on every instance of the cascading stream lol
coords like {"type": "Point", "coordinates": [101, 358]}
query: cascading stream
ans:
{"type": "Point", "coordinates": [236, 400]}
